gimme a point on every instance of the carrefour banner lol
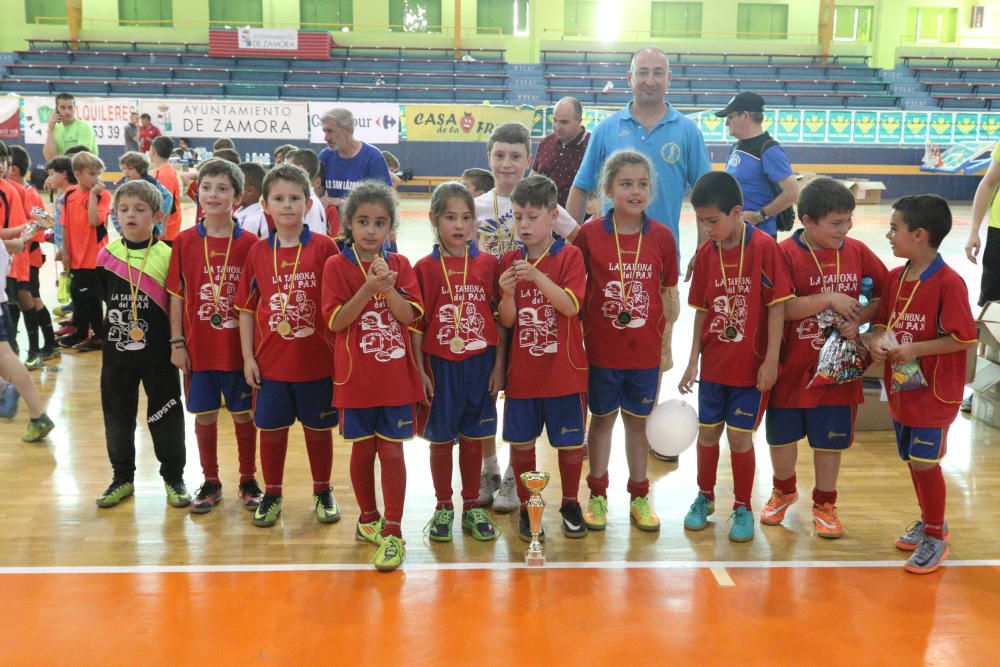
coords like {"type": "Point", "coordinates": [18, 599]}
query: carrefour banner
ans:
{"type": "Point", "coordinates": [236, 119]}
{"type": "Point", "coordinates": [459, 122]}
{"type": "Point", "coordinates": [375, 123]}
{"type": "Point", "coordinates": [107, 115]}
{"type": "Point", "coordinates": [10, 121]}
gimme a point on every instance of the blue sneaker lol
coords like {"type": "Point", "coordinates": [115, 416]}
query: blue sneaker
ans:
{"type": "Point", "coordinates": [8, 402]}
{"type": "Point", "coordinates": [697, 516]}
{"type": "Point", "coordinates": [741, 529]}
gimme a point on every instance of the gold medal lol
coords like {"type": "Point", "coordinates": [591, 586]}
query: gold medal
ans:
{"type": "Point", "coordinates": [731, 332]}
{"type": "Point", "coordinates": [216, 320]}
{"type": "Point", "coordinates": [136, 333]}
{"type": "Point", "coordinates": [283, 328]}
{"type": "Point", "coordinates": [457, 345]}
{"type": "Point", "coordinates": [624, 318]}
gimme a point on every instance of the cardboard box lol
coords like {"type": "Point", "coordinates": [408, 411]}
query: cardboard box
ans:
{"type": "Point", "coordinates": [873, 414]}
{"type": "Point", "coordinates": [865, 191]}
{"type": "Point", "coordinates": [986, 408]}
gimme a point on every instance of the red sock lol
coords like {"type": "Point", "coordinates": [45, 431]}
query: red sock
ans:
{"type": "Point", "coordinates": [246, 445]}
{"type": "Point", "coordinates": [522, 460]}
{"type": "Point", "coordinates": [273, 447]}
{"type": "Point", "coordinates": [319, 447]}
{"type": "Point", "coordinates": [207, 436]}
{"type": "Point", "coordinates": [824, 497]}
{"type": "Point", "coordinates": [744, 465]}
{"type": "Point", "coordinates": [786, 486]}
{"type": "Point", "coordinates": [441, 470]}
{"type": "Point", "coordinates": [638, 489]}
{"type": "Point", "coordinates": [708, 468]}
{"type": "Point", "coordinates": [933, 492]}
{"type": "Point", "coordinates": [363, 478]}
{"type": "Point", "coordinates": [390, 456]}
{"type": "Point", "coordinates": [598, 485]}
{"type": "Point", "coordinates": [470, 462]}
{"type": "Point", "coordinates": [916, 488]}
{"type": "Point", "coordinates": [570, 469]}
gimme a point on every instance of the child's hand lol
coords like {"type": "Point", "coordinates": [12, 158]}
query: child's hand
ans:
{"type": "Point", "coordinates": [498, 379]}
{"type": "Point", "coordinates": [428, 385]}
{"type": "Point", "coordinates": [508, 281]}
{"type": "Point", "coordinates": [688, 379]}
{"type": "Point", "coordinates": [525, 270]}
{"type": "Point", "coordinates": [385, 282]}
{"type": "Point", "coordinates": [848, 329]}
{"type": "Point", "coordinates": [97, 189]}
{"type": "Point", "coordinates": [372, 282]}
{"type": "Point", "coordinates": [847, 307]}
{"type": "Point", "coordinates": [379, 267]}
{"type": "Point", "coordinates": [879, 349]}
{"type": "Point", "coordinates": [903, 353]}
{"type": "Point", "coordinates": [251, 373]}
{"type": "Point", "coordinates": [767, 374]}
{"type": "Point", "coordinates": [179, 358]}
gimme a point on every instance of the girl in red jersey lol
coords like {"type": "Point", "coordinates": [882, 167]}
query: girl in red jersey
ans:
{"type": "Point", "coordinates": [631, 261]}
{"type": "Point", "coordinates": [370, 297]}
{"type": "Point", "coordinates": [463, 360]}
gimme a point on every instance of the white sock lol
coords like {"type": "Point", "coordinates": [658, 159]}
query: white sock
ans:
{"type": "Point", "coordinates": [490, 465]}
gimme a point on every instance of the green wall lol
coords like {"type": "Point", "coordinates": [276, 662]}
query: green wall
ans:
{"type": "Point", "coordinates": [546, 20]}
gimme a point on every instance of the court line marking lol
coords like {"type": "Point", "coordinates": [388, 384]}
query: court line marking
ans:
{"type": "Point", "coordinates": [498, 567]}
{"type": "Point", "coordinates": [722, 577]}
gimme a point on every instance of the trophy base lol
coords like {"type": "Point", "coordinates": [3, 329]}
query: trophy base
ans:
{"type": "Point", "coordinates": [534, 560]}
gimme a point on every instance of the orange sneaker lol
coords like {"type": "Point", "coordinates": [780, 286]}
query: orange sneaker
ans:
{"type": "Point", "coordinates": [827, 522]}
{"type": "Point", "coordinates": [774, 510]}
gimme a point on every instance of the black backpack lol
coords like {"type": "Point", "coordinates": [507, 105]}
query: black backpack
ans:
{"type": "Point", "coordinates": [784, 220]}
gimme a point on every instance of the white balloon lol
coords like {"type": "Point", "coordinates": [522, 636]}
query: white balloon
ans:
{"type": "Point", "coordinates": [672, 427]}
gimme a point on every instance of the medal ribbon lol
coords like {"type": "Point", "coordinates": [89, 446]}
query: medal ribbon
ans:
{"type": "Point", "coordinates": [291, 279]}
{"type": "Point", "coordinates": [456, 307]}
{"type": "Point", "coordinates": [133, 288]}
{"type": "Point", "coordinates": [819, 267]}
{"type": "Point", "coordinates": [730, 305]}
{"type": "Point", "coordinates": [217, 292]}
{"type": "Point", "coordinates": [893, 322]}
{"type": "Point", "coordinates": [502, 243]}
{"type": "Point", "coordinates": [635, 264]}
{"type": "Point", "coordinates": [362, 267]}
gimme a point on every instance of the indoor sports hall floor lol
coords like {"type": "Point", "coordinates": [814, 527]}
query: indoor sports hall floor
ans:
{"type": "Point", "coordinates": [149, 584]}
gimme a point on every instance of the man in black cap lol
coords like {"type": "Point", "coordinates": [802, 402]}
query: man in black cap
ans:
{"type": "Point", "coordinates": [758, 163]}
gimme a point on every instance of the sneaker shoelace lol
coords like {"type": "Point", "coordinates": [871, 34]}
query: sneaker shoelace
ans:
{"type": "Point", "coordinates": [392, 546]}
{"type": "Point", "coordinates": [914, 529]}
{"type": "Point", "coordinates": [266, 503]}
{"type": "Point", "coordinates": [641, 506]}
{"type": "Point", "coordinates": [326, 499]}
{"type": "Point", "coordinates": [925, 550]}
{"type": "Point", "coordinates": [506, 486]}
{"type": "Point", "coordinates": [250, 488]}
{"type": "Point", "coordinates": [479, 516]}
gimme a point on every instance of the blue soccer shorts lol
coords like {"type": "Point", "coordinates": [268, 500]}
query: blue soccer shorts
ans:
{"type": "Point", "coordinates": [206, 390]}
{"type": "Point", "coordinates": [278, 404]}
{"type": "Point", "coordinates": [562, 417]}
{"type": "Point", "coordinates": [927, 445]}
{"type": "Point", "coordinates": [739, 408]}
{"type": "Point", "coordinates": [394, 423]}
{"type": "Point", "coordinates": [828, 427]}
{"type": "Point", "coordinates": [631, 390]}
{"type": "Point", "coordinates": [462, 405]}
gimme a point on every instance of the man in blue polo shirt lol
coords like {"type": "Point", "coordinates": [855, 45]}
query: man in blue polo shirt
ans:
{"type": "Point", "coordinates": [758, 163]}
{"type": "Point", "coordinates": [347, 162]}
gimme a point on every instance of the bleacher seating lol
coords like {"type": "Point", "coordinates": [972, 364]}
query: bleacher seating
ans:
{"type": "Point", "coordinates": [958, 82]}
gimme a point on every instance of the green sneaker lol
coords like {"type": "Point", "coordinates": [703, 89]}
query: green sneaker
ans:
{"type": "Point", "coordinates": [596, 516]}
{"type": "Point", "coordinates": [697, 516]}
{"type": "Point", "coordinates": [371, 531]}
{"type": "Point", "coordinates": [327, 510]}
{"type": "Point", "coordinates": [390, 554]}
{"type": "Point", "coordinates": [267, 513]}
{"type": "Point", "coordinates": [38, 429]}
{"type": "Point", "coordinates": [438, 529]}
{"type": "Point", "coordinates": [642, 515]}
{"type": "Point", "coordinates": [177, 494]}
{"type": "Point", "coordinates": [114, 494]}
{"type": "Point", "coordinates": [741, 529]}
{"type": "Point", "coordinates": [478, 524]}
{"type": "Point", "coordinates": [33, 362]}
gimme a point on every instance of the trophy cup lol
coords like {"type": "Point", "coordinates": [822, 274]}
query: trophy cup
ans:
{"type": "Point", "coordinates": [535, 482]}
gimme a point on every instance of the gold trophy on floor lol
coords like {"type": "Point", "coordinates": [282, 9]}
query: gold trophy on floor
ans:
{"type": "Point", "coordinates": [535, 482]}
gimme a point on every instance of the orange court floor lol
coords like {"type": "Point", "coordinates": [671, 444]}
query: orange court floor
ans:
{"type": "Point", "coordinates": [149, 584]}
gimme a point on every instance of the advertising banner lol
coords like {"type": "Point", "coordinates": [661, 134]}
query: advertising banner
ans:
{"type": "Point", "coordinates": [107, 115]}
{"type": "Point", "coordinates": [236, 119]}
{"type": "Point", "coordinates": [459, 122]}
{"type": "Point", "coordinates": [375, 123]}
{"type": "Point", "coordinates": [10, 118]}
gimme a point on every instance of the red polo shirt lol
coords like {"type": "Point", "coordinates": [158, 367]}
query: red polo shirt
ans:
{"type": "Point", "coordinates": [560, 161]}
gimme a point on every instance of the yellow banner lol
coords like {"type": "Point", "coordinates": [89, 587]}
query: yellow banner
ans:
{"type": "Point", "coordinates": [458, 122]}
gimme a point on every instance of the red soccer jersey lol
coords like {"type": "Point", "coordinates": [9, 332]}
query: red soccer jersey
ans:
{"type": "Point", "coordinates": [81, 241]}
{"type": "Point", "coordinates": [939, 307]}
{"type": "Point", "coordinates": [290, 343]}
{"type": "Point", "coordinates": [372, 357]}
{"type": "Point", "coordinates": [212, 328]}
{"type": "Point", "coordinates": [633, 340]}
{"type": "Point", "coordinates": [547, 358]}
{"type": "Point", "coordinates": [475, 294]}
{"type": "Point", "coordinates": [167, 177]}
{"type": "Point", "coordinates": [803, 338]}
{"type": "Point", "coordinates": [737, 306]}
{"type": "Point", "coordinates": [34, 249]}
{"type": "Point", "coordinates": [13, 193]}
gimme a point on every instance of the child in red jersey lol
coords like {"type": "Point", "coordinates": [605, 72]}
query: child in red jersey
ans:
{"type": "Point", "coordinates": [205, 268]}
{"type": "Point", "coordinates": [542, 284]}
{"type": "Point", "coordinates": [463, 362]}
{"type": "Point", "coordinates": [15, 214]}
{"type": "Point", "coordinates": [739, 288]}
{"type": "Point", "coordinates": [370, 297]}
{"type": "Point", "coordinates": [286, 355]}
{"type": "Point", "coordinates": [826, 269]}
{"type": "Point", "coordinates": [928, 324]}
{"type": "Point", "coordinates": [630, 260]}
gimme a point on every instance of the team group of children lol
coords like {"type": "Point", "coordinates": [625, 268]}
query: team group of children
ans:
{"type": "Point", "coordinates": [514, 297]}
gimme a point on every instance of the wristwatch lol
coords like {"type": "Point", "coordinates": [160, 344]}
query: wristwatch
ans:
{"type": "Point", "coordinates": [759, 216]}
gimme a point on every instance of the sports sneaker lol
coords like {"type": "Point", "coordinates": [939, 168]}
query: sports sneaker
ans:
{"type": "Point", "coordinates": [268, 511]}
{"type": "Point", "coordinates": [966, 405]}
{"type": "Point", "coordinates": [478, 524]}
{"type": "Point", "coordinates": [33, 362]}
{"type": "Point", "coordinates": [327, 510]}
{"type": "Point", "coordinates": [741, 528]}
{"type": "Point", "coordinates": [62, 309]}
{"type": "Point", "coordinates": [90, 345]}
{"type": "Point", "coordinates": [177, 494]}
{"type": "Point", "coordinates": [826, 521]}
{"type": "Point", "coordinates": [391, 553]}
{"type": "Point", "coordinates": [8, 401]}
{"type": "Point", "coordinates": [572, 521]}
{"type": "Point", "coordinates": [915, 534]}
{"type": "Point", "coordinates": [38, 429]}
{"type": "Point", "coordinates": [115, 493]}
{"type": "Point", "coordinates": [928, 556]}
{"type": "Point", "coordinates": [489, 482]}
{"type": "Point", "coordinates": [596, 516]}
{"type": "Point", "coordinates": [774, 511]}
{"type": "Point", "coordinates": [506, 499]}
{"type": "Point", "coordinates": [209, 495]}
{"type": "Point", "coordinates": [250, 494]}
{"type": "Point", "coordinates": [69, 340]}
{"type": "Point", "coordinates": [697, 516]}
{"type": "Point", "coordinates": [371, 531]}
{"type": "Point", "coordinates": [524, 528]}
{"type": "Point", "coordinates": [642, 515]}
{"type": "Point", "coordinates": [47, 353]}
{"type": "Point", "coordinates": [438, 529]}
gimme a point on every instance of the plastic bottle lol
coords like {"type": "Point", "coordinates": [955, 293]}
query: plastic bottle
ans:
{"type": "Point", "coordinates": [867, 290]}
